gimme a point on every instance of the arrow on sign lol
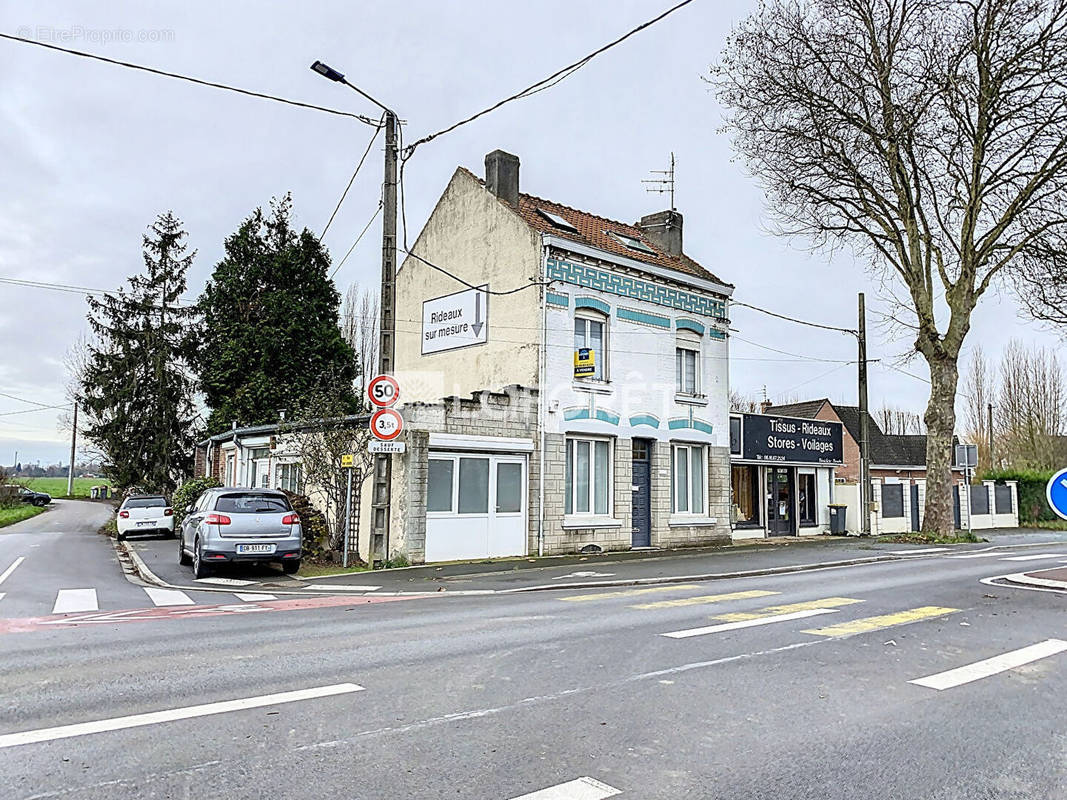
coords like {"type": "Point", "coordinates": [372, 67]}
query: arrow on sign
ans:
{"type": "Point", "coordinates": [477, 326]}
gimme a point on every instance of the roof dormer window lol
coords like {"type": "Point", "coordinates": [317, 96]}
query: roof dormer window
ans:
{"type": "Point", "coordinates": [557, 221]}
{"type": "Point", "coordinates": [631, 242]}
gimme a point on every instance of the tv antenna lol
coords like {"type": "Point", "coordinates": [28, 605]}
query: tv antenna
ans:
{"type": "Point", "coordinates": [664, 185]}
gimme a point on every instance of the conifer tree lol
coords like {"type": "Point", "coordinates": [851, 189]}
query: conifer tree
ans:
{"type": "Point", "coordinates": [136, 387]}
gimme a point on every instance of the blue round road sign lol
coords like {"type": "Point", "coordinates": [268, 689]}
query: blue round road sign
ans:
{"type": "Point", "coordinates": [1056, 491]}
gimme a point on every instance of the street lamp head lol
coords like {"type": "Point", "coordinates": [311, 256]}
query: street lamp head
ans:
{"type": "Point", "coordinates": [326, 71]}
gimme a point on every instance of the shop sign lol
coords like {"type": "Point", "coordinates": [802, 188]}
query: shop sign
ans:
{"type": "Point", "coordinates": [788, 439]}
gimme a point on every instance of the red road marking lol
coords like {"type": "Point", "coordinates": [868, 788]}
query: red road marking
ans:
{"type": "Point", "coordinates": [28, 624]}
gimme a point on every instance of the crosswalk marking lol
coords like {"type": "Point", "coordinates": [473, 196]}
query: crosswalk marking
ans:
{"type": "Point", "coordinates": [883, 621]}
{"type": "Point", "coordinates": [704, 598]}
{"type": "Point", "coordinates": [14, 565]}
{"type": "Point", "coordinates": [1033, 557]}
{"type": "Point", "coordinates": [992, 666]}
{"type": "Point", "coordinates": [578, 598]}
{"type": "Point", "coordinates": [748, 623]}
{"type": "Point", "coordinates": [69, 601]}
{"type": "Point", "coordinates": [980, 555]}
{"type": "Point", "coordinates": [168, 597]}
{"type": "Point", "coordinates": [251, 597]}
{"type": "Point", "coordinates": [774, 611]}
{"type": "Point", "coordinates": [580, 789]}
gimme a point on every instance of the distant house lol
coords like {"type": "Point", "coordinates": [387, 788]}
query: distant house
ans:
{"type": "Point", "coordinates": [892, 455]}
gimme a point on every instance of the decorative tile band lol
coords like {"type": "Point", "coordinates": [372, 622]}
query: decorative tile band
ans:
{"type": "Point", "coordinates": [689, 325]}
{"type": "Point", "coordinates": [715, 333]}
{"type": "Point", "coordinates": [576, 413]}
{"type": "Point", "coordinates": [609, 417]}
{"type": "Point", "coordinates": [644, 419]}
{"type": "Point", "coordinates": [593, 303]}
{"type": "Point", "coordinates": [642, 317]}
{"type": "Point", "coordinates": [680, 423]}
{"type": "Point", "coordinates": [701, 425]}
{"type": "Point", "coordinates": [557, 299]}
{"type": "Point", "coordinates": [626, 286]}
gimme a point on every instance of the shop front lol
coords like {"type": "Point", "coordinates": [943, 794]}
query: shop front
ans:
{"type": "Point", "coordinates": [782, 475]}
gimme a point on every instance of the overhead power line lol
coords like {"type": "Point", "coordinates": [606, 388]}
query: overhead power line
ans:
{"type": "Point", "coordinates": [550, 81]}
{"type": "Point", "coordinates": [189, 79]}
{"type": "Point", "coordinates": [351, 180]}
{"type": "Point", "coordinates": [32, 410]}
{"type": "Point", "coordinates": [88, 292]}
{"type": "Point", "coordinates": [794, 319]}
{"type": "Point", "coordinates": [482, 288]}
{"type": "Point", "coordinates": [366, 227]}
{"type": "Point", "coordinates": [24, 400]}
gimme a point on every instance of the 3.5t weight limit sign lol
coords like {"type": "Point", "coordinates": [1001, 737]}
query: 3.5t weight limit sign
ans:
{"type": "Point", "coordinates": [383, 391]}
{"type": "Point", "coordinates": [386, 424]}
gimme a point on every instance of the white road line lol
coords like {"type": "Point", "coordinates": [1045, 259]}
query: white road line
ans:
{"type": "Point", "coordinates": [992, 666]}
{"type": "Point", "coordinates": [1037, 557]}
{"type": "Point", "coordinates": [251, 597]}
{"type": "Point", "coordinates": [748, 623]}
{"type": "Point", "coordinates": [924, 550]}
{"type": "Point", "coordinates": [980, 555]}
{"type": "Point", "coordinates": [168, 597]}
{"type": "Point", "coordinates": [224, 581]}
{"type": "Point", "coordinates": [9, 570]}
{"type": "Point", "coordinates": [580, 789]}
{"type": "Point", "coordinates": [1, 595]}
{"type": "Point", "coordinates": [170, 715]}
{"type": "Point", "coordinates": [344, 587]}
{"type": "Point", "coordinates": [70, 601]}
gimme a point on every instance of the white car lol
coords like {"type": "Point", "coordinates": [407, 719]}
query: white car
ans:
{"type": "Point", "coordinates": [145, 513]}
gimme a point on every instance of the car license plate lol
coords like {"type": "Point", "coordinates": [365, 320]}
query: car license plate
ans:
{"type": "Point", "coordinates": [144, 523]}
{"type": "Point", "coordinates": [255, 548]}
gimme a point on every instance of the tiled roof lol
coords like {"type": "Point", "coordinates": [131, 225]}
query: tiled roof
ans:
{"type": "Point", "coordinates": [593, 231]}
{"type": "Point", "coordinates": [805, 410]}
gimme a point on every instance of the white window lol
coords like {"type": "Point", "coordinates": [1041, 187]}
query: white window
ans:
{"type": "Point", "coordinates": [291, 478]}
{"type": "Point", "coordinates": [588, 477]}
{"type": "Point", "coordinates": [687, 365]}
{"type": "Point", "coordinates": [591, 330]}
{"type": "Point", "coordinates": [688, 483]}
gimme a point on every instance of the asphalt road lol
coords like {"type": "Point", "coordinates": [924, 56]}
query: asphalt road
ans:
{"type": "Point", "coordinates": [806, 693]}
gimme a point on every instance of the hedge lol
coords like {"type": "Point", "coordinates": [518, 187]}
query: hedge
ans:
{"type": "Point", "coordinates": [1033, 505]}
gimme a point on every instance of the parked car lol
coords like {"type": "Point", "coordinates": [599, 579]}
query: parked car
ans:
{"type": "Point", "coordinates": [145, 513]}
{"type": "Point", "coordinates": [233, 524]}
{"type": "Point", "coordinates": [27, 495]}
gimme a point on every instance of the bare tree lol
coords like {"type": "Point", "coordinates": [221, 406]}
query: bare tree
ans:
{"type": "Point", "coordinates": [930, 136]}
{"type": "Point", "coordinates": [1031, 418]}
{"type": "Point", "coordinates": [898, 422]}
{"type": "Point", "coordinates": [743, 404]}
{"type": "Point", "coordinates": [979, 390]}
{"type": "Point", "coordinates": [360, 326]}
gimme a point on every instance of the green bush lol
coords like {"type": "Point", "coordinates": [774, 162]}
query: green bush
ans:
{"type": "Point", "coordinates": [1033, 504]}
{"type": "Point", "coordinates": [315, 532]}
{"type": "Point", "coordinates": [186, 494]}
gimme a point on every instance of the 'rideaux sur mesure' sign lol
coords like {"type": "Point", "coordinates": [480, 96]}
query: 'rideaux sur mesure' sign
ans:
{"type": "Point", "coordinates": [785, 439]}
{"type": "Point", "coordinates": [455, 320]}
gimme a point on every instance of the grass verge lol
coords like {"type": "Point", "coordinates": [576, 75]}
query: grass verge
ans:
{"type": "Point", "coordinates": [9, 516]}
{"type": "Point", "coordinates": [110, 528]}
{"type": "Point", "coordinates": [963, 537]}
{"type": "Point", "coordinates": [312, 570]}
{"type": "Point", "coordinates": [1051, 525]}
{"type": "Point", "coordinates": [57, 487]}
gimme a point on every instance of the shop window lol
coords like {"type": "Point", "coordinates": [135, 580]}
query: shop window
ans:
{"type": "Point", "coordinates": [474, 486]}
{"type": "Point", "coordinates": [807, 499]}
{"type": "Point", "coordinates": [687, 365]}
{"type": "Point", "coordinates": [439, 480]}
{"type": "Point", "coordinates": [688, 468]}
{"type": "Point", "coordinates": [508, 488]}
{"type": "Point", "coordinates": [290, 477]}
{"type": "Point", "coordinates": [591, 330]}
{"type": "Point", "coordinates": [744, 479]}
{"type": "Point", "coordinates": [735, 436]}
{"type": "Point", "coordinates": [588, 473]}
{"type": "Point", "coordinates": [892, 500]}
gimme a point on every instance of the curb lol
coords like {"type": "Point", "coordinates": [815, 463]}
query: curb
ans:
{"type": "Point", "coordinates": [1023, 579]}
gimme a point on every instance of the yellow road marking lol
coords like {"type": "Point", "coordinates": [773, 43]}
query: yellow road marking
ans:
{"type": "Point", "coordinates": [578, 598]}
{"type": "Point", "coordinates": [705, 598]}
{"type": "Point", "coordinates": [884, 621]}
{"type": "Point", "coordinates": [773, 611]}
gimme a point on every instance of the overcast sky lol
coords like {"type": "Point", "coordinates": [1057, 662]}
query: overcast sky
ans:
{"type": "Point", "coordinates": [90, 153]}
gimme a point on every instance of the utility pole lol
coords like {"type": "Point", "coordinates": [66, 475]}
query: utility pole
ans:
{"type": "Point", "coordinates": [73, 446]}
{"type": "Point", "coordinates": [383, 465]}
{"type": "Point", "coordinates": [989, 432]}
{"type": "Point", "coordinates": [865, 438]}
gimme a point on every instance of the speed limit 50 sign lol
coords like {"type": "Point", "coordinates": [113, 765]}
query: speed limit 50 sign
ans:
{"type": "Point", "coordinates": [383, 391]}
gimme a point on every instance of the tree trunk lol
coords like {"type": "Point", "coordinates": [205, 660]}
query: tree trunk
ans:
{"type": "Point", "coordinates": [940, 425]}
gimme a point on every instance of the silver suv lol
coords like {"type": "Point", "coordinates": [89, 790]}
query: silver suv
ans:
{"type": "Point", "coordinates": [238, 524]}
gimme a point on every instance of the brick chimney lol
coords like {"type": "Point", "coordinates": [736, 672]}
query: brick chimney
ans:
{"type": "Point", "coordinates": [502, 176]}
{"type": "Point", "coordinates": [765, 406]}
{"type": "Point", "coordinates": [665, 229]}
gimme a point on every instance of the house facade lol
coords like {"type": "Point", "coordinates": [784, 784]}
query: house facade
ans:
{"type": "Point", "coordinates": [614, 346]}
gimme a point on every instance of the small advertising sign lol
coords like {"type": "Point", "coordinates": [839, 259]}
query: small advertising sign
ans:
{"type": "Point", "coordinates": [584, 362]}
{"type": "Point", "coordinates": [348, 460]}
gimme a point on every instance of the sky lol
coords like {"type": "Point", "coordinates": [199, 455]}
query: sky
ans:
{"type": "Point", "coordinates": [90, 153]}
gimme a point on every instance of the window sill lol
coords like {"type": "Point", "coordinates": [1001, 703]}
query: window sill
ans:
{"type": "Point", "coordinates": [678, 521]}
{"type": "Point", "coordinates": [691, 399]}
{"type": "Point", "coordinates": [576, 521]}
{"type": "Point", "coordinates": [593, 386]}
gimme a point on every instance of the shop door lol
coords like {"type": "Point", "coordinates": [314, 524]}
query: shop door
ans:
{"type": "Point", "coordinates": [780, 520]}
{"type": "Point", "coordinates": [641, 487]}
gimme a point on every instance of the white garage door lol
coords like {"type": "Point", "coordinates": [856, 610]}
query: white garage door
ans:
{"type": "Point", "coordinates": [475, 506]}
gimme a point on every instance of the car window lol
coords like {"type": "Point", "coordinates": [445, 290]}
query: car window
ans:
{"type": "Point", "coordinates": [248, 503]}
{"type": "Point", "coordinates": [145, 502]}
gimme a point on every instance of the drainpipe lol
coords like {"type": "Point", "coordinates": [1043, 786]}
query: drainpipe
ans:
{"type": "Point", "coordinates": [541, 367]}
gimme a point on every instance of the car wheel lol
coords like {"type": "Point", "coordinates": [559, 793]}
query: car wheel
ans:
{"type": "Point", "coordinates": [290, 567]}
{"type": "Point", "coordinates": [41, 503]}
{"type": "Point", "coordinates": [183, 557]}
{"type": "Point", "coordinates": [200, 569]}
{"type": "Point", "coordinates": [120, 536]}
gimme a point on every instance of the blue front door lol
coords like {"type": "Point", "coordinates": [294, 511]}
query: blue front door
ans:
{"type": "Point", "coordinates": [642, 494]}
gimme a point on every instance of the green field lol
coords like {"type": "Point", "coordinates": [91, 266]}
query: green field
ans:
{"type": "Point", "coordinates": [57, 487]}
{"type": "Point", "coordinates": [9, 516]}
